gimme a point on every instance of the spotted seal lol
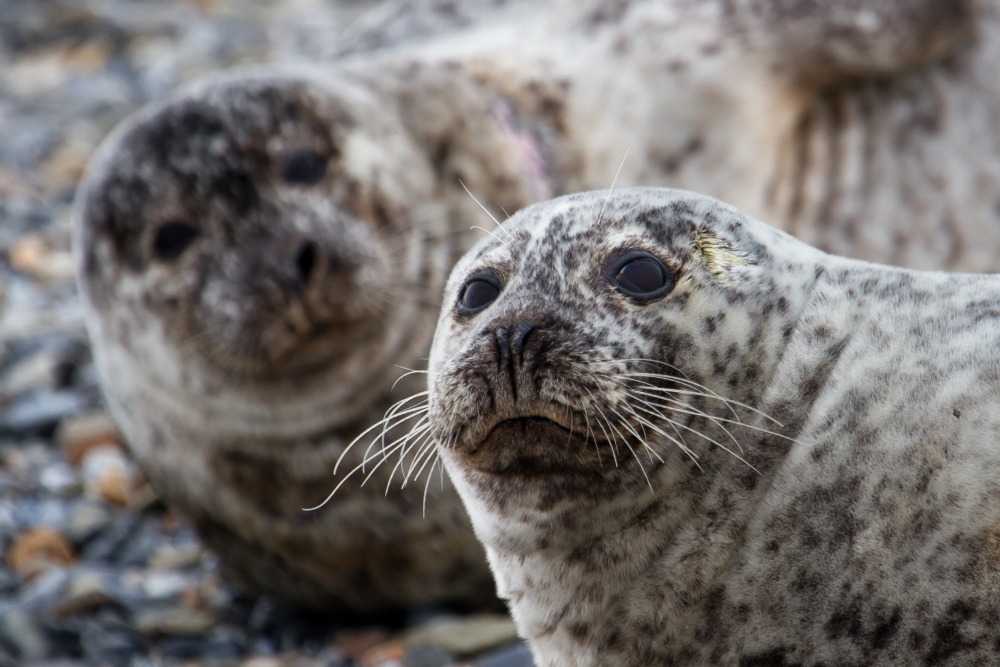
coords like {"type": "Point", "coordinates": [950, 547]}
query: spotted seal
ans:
{"type": "Point", "coordinates": [686, 438]}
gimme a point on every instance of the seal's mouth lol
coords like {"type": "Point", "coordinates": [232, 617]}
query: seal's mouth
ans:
{"type": "Point", "coordinates": [533, 445]}
{"type": "Point", "coordinates": [527, 425]}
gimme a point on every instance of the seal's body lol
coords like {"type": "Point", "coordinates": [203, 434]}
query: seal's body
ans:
{"type": "Point", "coordinates": [686, 438]}
{"type": "Point", "coordinates": [866, 128]}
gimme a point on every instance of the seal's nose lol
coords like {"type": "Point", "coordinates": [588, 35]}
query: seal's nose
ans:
{"type": "Point", "coordinates": [511, 339]}
{"type": "Point", "coordinates": [305, 261]}
{"type": "Point", "coordinates": [519, 335]}
{"type": "Point", "coordinates": [294, 270]}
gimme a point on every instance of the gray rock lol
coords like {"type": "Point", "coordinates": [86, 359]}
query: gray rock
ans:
{"type": "Point", "coordinates": [8, 519]}
{"type": "Point", "coordinates": [23, 632]}
{"type": "Point", "coordinates": [515, 655]}
{"type": "Point", "coordinates": [331, 657]}
{"type": "Point", "coordinates": [177, 621]}
{"type": "Point", "coordinates": [176, 557]}
{"type": "Point", "coordinates": [9, 582]}
{"type": "Point", "coordinates": [50, 512]}
{"type": "Point", "coordinates": [188, 648]}
{"type": "Point", "coordinates": [104, 646]}
{"type": "Point", "coordinates": [140, 546]}
{"type": "Point", "coordinates": [33, 372]}
{"type": "Point", "coordinates": [166, 585]}
{"type": "Point", "coordinates": [464, 636]}
{"type": "Point", "coordinates": [107, 545]}
{"type": "Point", "coordinates": [40, 410]}
{"type": "Point", "coordinates": [58, 478]}
{"type": "Point", "coordinates": [422, 655]}
{"type": "Point", "coordinates": [44, 590]}
{"type": "Point", "coordinates": [87, 591]}
{"type": "Point", "coordinates": [87, 519]}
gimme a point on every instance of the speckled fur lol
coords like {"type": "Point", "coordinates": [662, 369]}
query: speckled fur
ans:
{"type": "Point", "coordinates": [866, 532]}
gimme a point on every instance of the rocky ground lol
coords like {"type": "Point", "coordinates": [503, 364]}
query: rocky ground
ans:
{"type": "Point", "coordinates": [94, 569]}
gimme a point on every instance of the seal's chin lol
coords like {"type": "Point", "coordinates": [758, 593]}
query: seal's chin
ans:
{"type": "Point", "coordinates": [530, 446]}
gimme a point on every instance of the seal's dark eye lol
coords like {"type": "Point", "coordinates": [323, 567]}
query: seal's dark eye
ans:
{"type": "Point", "coordinates": [643, 277]}
{"type": "Point", "coordinates": [172, 239]}
{"type": "Point", "coordinates": [304, 166]}
{"type": "Point", "coordinates": [476, 295]}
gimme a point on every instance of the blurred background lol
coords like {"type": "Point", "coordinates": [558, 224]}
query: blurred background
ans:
{"type": "Point", "coordinates": [94, 569]}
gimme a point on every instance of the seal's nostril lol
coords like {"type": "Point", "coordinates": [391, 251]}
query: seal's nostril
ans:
{"type": "Point", "coordinates": [502, 335]}
{"type": "Point", "coordinates": [305, 261]}
{"type": "Point", "coordinates": [519, 334]}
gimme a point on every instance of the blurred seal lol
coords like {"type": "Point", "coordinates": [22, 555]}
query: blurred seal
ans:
{"type": "Point", "coordinates": [256, 274]}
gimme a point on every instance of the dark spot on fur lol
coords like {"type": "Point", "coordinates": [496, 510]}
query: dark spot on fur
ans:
{"type": "Point", "coordinates": [948, 639]}
{"type": "Point", "coordinates": [777, 657]}
{"type": "Point", "coordinates": [237, 188]}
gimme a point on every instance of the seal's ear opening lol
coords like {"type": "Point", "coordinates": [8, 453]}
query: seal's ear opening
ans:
{"type": "Point", "coordinates": [719, 257]}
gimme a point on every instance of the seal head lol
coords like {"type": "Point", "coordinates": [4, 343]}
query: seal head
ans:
{"type": "Point", "coordinates": [571, 335]}
{"type": "Point", "coordinates": [257, 266]}
{"type": "Point", "coordinates": [248, 218]}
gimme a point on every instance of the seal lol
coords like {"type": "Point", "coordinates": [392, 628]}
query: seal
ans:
{"type": "Point", "coordinates": [686, 438]}
{"type": "Point", "coordinates": [255, 274]}
{"type": "Point", "coordinates": [863, 127]}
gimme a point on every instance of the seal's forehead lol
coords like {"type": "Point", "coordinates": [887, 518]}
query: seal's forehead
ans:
{"type": "Point", "coordinates": [593, 222]}
{"type": "Point", "coordinates": [231, 116]}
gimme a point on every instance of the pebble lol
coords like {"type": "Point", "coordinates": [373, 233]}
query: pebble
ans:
{"type": "Point", "coordinates": [33, 256]}
{"type": "Point", "coordinates": [37, 550]}
{"type": "Point", "coordinates": [390, 654]}
{"type": "Point", "coordinates": [59, 479]}
{"type": "Point", "coordinates": [355, 643]}
{"type": "Point", "coordinates": [78, 434]}
{"type": "Point", "coordinates": [421, 655]}
{"type": "Point", "coordinates": [176, 557]}
{"type": "Point", "coordinates": [86, 592]}
{"type": "Point", "coordinates": [465, 636]}
{"type": "Point", "coordinates": [515, 655]}
{"type": "Point", "coordinates": [43, 591]}
{"type": "Point", "coordinates": [40, 410]}
{"type": "Point", "coordinates": [108, 647]}
{"type": "Point", "coordinates": [108, 473]}
{"type": "Point", "coordinates": [87, 519]}
{"type": "Point", "coordinates": [23, 633]}
{"type": "Point", "coordinates": [36, 371]}
{"type": "Point", "coordinates": [174, 621]}
{"type": "Point", "coordinates": [165, 584]}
